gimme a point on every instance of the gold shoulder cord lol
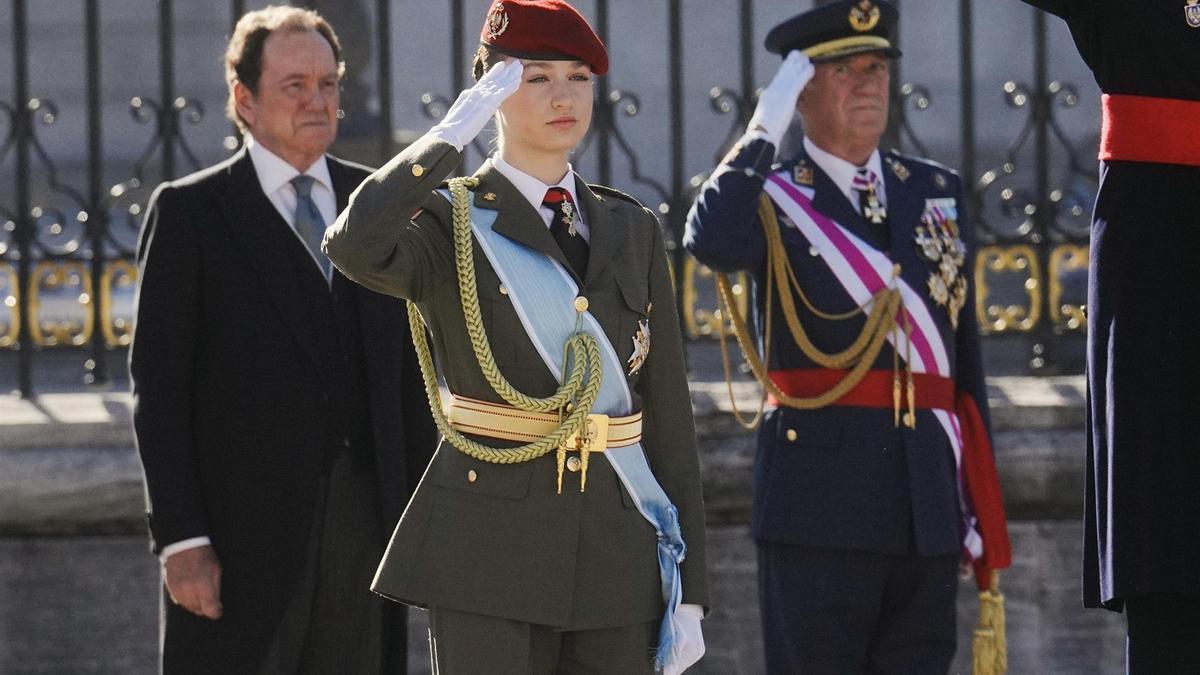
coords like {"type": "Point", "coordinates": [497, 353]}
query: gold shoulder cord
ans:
{"type": "Point", "coordinates": [858, 357]}
{"type": "Point", "coordinates": [581, 387]}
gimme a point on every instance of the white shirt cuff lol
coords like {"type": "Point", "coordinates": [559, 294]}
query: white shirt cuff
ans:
{"type": "Point", "coordinates": [695, 611]}
{"type": "Point", "coordinates": [172, 549]}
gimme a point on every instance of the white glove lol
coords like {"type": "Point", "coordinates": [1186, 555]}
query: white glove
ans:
{"type": "Point", "coordinates": [777, 103]}
{"type": "Point", "coordinates": [475, 106]}
{"type": "Point", "coordinates": [690, 645]}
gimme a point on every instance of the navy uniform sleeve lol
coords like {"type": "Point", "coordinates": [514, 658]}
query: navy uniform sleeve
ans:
{"type": "Point", "coordinates": [162, 362]}
{"type": "Point", "coordinates": [723, 230]}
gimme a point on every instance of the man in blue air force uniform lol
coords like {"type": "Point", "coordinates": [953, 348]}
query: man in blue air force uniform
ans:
{"type": "Point", "coordinates": [878, 418]}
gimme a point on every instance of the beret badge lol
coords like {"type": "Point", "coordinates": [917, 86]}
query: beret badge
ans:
{"type": "Point", "coordinates": [864, 16]}
{"type": "Point", "coordinates": [497, 20]}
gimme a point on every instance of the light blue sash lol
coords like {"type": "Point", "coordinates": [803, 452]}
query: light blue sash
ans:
{"type": "Point", "coordinates": [543, 294]}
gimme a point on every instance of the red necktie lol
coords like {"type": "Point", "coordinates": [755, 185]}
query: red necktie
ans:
{"type": "Point", "coordinates": [562, 227]}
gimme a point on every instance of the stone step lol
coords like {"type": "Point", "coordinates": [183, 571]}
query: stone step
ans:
{"type": "Point", "coordinates": [68, 463]}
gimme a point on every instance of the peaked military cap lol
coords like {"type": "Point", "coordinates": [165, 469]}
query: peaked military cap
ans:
{"type": "Point", "coordinates": [548, 30]}
{"type": "Point", "coordinates": [838, 29]}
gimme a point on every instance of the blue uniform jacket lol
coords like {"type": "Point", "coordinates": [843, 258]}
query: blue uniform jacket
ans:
{"type": "Point", "coordinates": [850, 479]}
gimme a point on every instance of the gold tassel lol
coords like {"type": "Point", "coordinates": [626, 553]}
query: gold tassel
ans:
{"type": "Point", "coordinates": [896, 397]}
{"type": "Point", "coordinates": [562, 462]}
{"type": "Point", "coordinates": [990, 645]}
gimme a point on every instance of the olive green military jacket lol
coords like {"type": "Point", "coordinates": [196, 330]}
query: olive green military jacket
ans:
{"type": "Point", "coordinates": [498, 539]}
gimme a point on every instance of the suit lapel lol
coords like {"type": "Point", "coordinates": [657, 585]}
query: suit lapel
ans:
{"type": "Point", "coordinates": [607, 231]}
{"type": "Point", "coordinates": [277, 256]}
{"type": "Point", "coordinates": [516, 217]}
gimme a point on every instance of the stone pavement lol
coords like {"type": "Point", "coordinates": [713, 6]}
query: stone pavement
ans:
{"type": "Point", "coordinates": [78, 588]}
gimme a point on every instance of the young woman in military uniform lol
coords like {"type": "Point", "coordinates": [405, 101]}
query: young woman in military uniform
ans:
{"type": "Point", "coordinates": [532, 552]}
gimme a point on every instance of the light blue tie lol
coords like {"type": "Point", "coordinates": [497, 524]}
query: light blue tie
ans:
{"type": "Point", "coordinates": [309, 223]}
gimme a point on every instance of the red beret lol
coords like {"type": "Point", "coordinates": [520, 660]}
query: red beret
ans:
{"type": "Point", "coordinates": [548, 30]}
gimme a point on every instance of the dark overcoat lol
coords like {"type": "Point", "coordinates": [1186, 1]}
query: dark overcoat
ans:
{"type": "Point", "coordinates": [246, 381]}
{"type": "Point", "coordinates": [1142, 527]}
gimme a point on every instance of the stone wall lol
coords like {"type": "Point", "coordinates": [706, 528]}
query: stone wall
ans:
{"type": "Point", "coordinates": [78, 587]}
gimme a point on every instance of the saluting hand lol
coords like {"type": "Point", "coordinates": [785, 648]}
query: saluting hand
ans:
{"type": "Point", "coordinates": [475, 106]}
{"type": "Point", "coordinates": [193, 579]}
{"type": "Point", "coordinates": [777, 102]}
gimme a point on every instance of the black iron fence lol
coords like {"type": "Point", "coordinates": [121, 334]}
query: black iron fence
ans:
{"type": "Point", "coordinates": [71, 204]}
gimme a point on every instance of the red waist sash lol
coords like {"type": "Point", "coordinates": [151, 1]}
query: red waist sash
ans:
{"type": "Point", "coordinates": [874, 391]}
{"type": "Point", "coordinates": [1149, 129]}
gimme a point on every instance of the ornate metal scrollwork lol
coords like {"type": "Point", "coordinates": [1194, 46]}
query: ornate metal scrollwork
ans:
{"type": "Point", "coordinates": [704, 320]}
{"type": "Point", "coordinates": [10, 313]}
{"type": "Point", "coordinates": [60, 299]}
{"type": "Point", "coordinates": [1022, 261]}
{"type": "Point", "coordinates": [117, 289]}
{"type": "Point", "coordinates": [918, 98]}
{"type": "Point", "coordinates": [1064, 260]}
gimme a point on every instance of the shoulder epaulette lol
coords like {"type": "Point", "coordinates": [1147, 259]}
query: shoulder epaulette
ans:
{"type": "Point", "coordinates": [612, 192]}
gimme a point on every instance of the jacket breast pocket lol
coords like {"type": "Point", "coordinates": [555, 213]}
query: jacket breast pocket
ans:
{"type": "Point", "coordinates": [454, 469]}
{"type": "Point", "coordinates": [634, 312]}
{"type": "Point", "coordinates": [500, 322]}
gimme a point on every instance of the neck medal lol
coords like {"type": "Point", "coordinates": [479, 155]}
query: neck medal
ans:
{"type": "Point", "coordinates": [938, 241]}
{"type": "Point", "coordinates": [568, 211]}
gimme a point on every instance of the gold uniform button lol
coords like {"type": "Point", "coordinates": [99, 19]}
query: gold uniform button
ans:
{"type": "Point", "coordinates": [908, 419]}
{"type": "Point", "coordinates": [472, 476]}
{"type": "Point", "coordinates": [792, 435]}
{"type": "Point", "coordinates": [573, 464]}
{"type": "Point", "coordinates": [418, 170]}
{"type": "Point", "coordinates": [503, 289]}
{"type": "Point", "coordinates": [581, 304]}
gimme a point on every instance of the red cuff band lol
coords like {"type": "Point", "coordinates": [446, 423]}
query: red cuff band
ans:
{"type": "Point", "coordinates": [1148, 129]}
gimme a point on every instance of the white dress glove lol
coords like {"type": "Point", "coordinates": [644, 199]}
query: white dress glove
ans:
{"type": "Point", "coordinates": [777, 103]}
{"type": "Point", "coordinates": [475, 106]}
{"type": "Point", "coordinates": [691, 641]}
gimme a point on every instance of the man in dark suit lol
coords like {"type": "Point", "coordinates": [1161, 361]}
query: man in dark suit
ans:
{"type": "Point", "coordinates": [866, 495]}
{"type": "Point", "coordinates": [279, 414]}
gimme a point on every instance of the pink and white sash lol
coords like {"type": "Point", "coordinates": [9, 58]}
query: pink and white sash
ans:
{"type": "Point", "coordinates": [863, 271]}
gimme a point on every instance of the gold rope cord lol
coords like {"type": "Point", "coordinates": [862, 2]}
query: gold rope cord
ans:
{"type": "Point", "coordinates": [858, 357]}
{"type": "Point", "coordinates": [582, 351]}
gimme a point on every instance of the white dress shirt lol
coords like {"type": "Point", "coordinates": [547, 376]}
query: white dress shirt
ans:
{"type": "Point", "coordinates": [534, 190]}
{"type": "Point", "coordinates": [275, 175]}
{"type": "Point", "coordinates": [842, 172]}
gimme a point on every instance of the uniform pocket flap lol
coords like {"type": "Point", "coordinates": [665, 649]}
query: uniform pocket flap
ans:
{"type": "Point", "coordinates": [456, 470]}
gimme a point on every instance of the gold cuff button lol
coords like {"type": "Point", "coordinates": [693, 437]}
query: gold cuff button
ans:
{"type": "Point", "coordinates": [792, 435]}
{"type": "Point", "coordinates": [503, 289]}
{"type": "Point", "coordinates": [472, 476]}
{"type": "Point", "coordinates": [573, 464]}
{"type": "Point", "coordinates": [418, 170]}
{"type": "Point", "coordinates": [581, 304]}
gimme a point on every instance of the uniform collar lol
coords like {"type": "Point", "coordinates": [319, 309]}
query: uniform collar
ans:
{"type": "Point", "coordinates": [273, 172]}
{"type": "Point", "coordinates": [533, 189]}
{"type": "Point", "coordinates": [842, 172]}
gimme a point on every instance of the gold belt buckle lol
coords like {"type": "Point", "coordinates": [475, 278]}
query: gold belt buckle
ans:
{"type": "Point", "coordinates": [592, 438]}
